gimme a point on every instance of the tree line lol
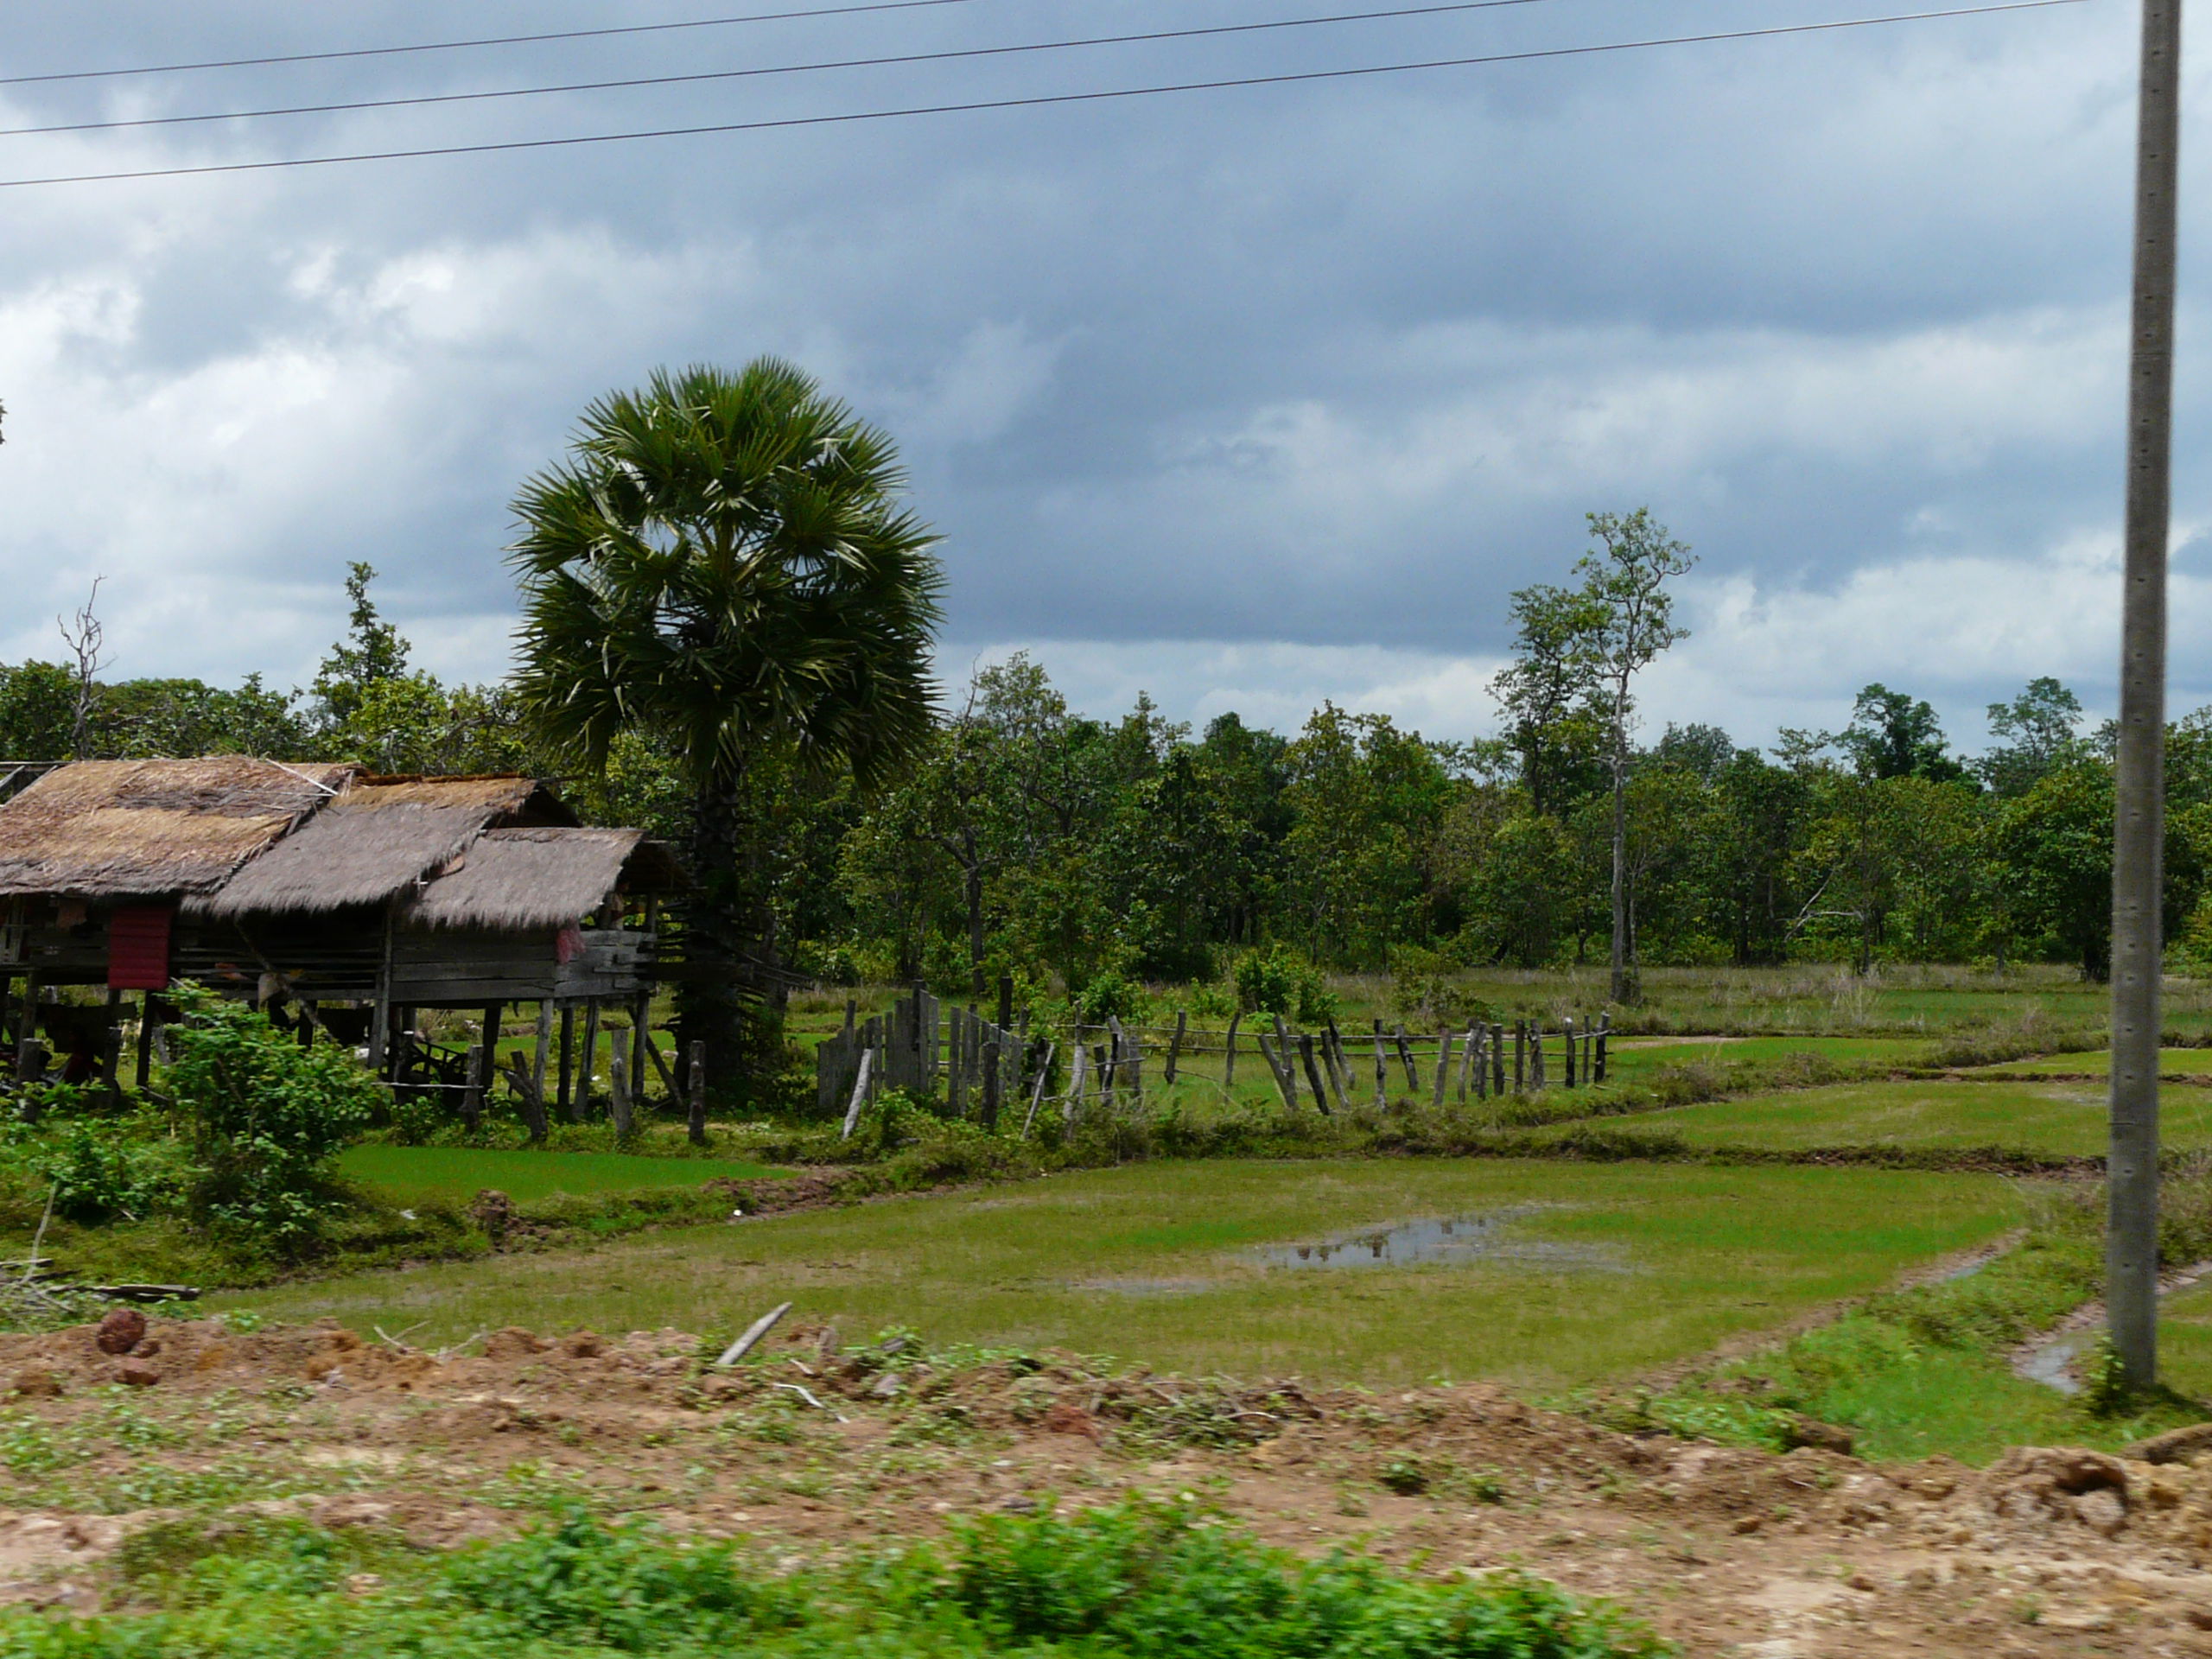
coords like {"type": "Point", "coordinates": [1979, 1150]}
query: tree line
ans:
{"type": "Point", "coordinates": [726, 614]}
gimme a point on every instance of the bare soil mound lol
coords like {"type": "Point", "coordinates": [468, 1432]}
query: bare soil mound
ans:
{"type": "Point", "coordinates": [818, 1448]}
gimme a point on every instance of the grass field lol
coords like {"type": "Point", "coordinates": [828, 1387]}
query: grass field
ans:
{"type": "Point", "coordinates": [1596, 1272]}
{"type": "Point", "coordinates": [405, 1173]}
{"type": "Point", "coordinates": [2185, 1341]}
{"type": "Point", "coordinates": [2045, 1117]}
{"type": "Point", "coordinates": [1633, 1060]}
{"type": "Point", "coordinates": [2172, 1063]}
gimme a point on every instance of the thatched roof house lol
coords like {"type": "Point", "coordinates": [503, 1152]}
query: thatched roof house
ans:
{"type": "Point", "coordinates": [328, 884]}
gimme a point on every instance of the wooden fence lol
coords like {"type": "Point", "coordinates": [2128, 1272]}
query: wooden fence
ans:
{"type": "Point", "coordinates": [982, 1065]}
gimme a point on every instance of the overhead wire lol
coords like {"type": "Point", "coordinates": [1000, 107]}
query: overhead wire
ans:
{"type": "Point", "coordinates": [694, 77]}
{"type": "Point", "coordinates": [336, 55]}
{"type": "Point", "coordinates": [769, 123]}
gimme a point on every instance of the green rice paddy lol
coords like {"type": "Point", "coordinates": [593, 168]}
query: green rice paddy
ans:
{"type": "Point", "coordinates": [460, 1172]}
{"type": "Point", "coordinates": [2061, 1118]}
{"type": "Point", "coordinates": [1584, 1273]}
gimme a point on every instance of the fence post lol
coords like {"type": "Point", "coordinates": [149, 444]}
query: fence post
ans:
{"type": "Point", "coordinates": [994, 1078]}
{"type": "Point", "coordinates": [1535, 1054]}
{"type": "Point", "coordinates": [1229, 1063]}
{"type": "Point", "coordinates": [1520, 1057]}
{"type": "Point", "coordinates": [1312, 1072]}
{"type": "Point", "coordinates": [1406, 1059]}
{"type": "Point", "coordinates": [1466, 1060]}
{"type": "Point", "coordinates": [1566, 1030]}
{"type": "Point", "coordinates": [1382, 1071]}
{"type": "Point", "coordinates": [1604, 1030]}
{"type": "Point", "coordinates": [1073, 1099]}
{"type": "Point", "coordinates": [472, 1087]}
{"type": "Point", "coordinates": [860, 1092]}
{"type": "Point", "coordinates": [1175, 1045]}
{"type": "Point", "coordinates": [1037, 1095]}
{"type": "Point", "coordinates": [617, 1092]}
{"type": "Point", "coordinates": [1286, 1085]}
{"type": "Point", "coordinates": [695, 1096]}
{"type": "Point", "coordinates": [1332, 1055]}
{"type": "Point", "coordinates": [1443, 1068]}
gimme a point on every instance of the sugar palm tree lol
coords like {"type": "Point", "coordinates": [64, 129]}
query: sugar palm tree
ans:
{"type": "Point", "coordinates": [721, 562]}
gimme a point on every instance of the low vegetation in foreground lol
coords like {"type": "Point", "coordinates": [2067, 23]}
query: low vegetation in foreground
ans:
{"type": "Point", "coordinates": [1139, 1579]}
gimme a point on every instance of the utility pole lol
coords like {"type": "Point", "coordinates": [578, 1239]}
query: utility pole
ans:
{"type": "Point", "coordinates": [2131, 1178]}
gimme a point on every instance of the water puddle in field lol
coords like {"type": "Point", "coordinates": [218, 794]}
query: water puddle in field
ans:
{"type": "Point", "coordinates": [1439, 1239]}
{"type": "Point", "coordinates": [2052, 1359]}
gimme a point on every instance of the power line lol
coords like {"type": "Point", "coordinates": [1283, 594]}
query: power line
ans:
{"type": "Point", "coordinates": [459, 46]}
{"type": "Point", "coordinates": [769, 69]}
{"type": "Point", "coordinates": [1033, 102]}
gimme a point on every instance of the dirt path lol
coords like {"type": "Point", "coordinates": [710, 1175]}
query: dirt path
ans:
{"type": "Point", "coordinates": [817, 1448]}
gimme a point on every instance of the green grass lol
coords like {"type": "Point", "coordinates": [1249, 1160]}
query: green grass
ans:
{"type": "Point", "coordinates": [2185, 1341]}
{"type": "Point", "coordinates": [2172, 1063]}
{"type": "Point", "coordinates": [1615, 1268]}
{"type": "Point", "coordinates": [1125, 1583]}
{"type": "Point", "coordinates": [2066, 1119]}
{"type": "Point", "coordinates": [405, 1173]}
{"type": "Point", "coordinates": [1631, 1059]}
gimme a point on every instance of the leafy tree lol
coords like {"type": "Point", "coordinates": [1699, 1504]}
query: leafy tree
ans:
{"type": "Point", "coordinates": [1890, 735]}
{"type": "Point", "coordinates": [1632, 621]}
{"type": "Point", "coordinates": [1544, 694]}
{"type": "Point", "coordinates": [722, 561]}
{"type": "Point", "coordinates": [2041, 727]}
{"type": "Point", "coordinates": [372, 652]}
{"type": "Point", "coordinates": [38, 703]}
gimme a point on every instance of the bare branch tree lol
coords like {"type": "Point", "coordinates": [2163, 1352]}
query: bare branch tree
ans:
{"type": "Point", "coordinates": [83, 636]}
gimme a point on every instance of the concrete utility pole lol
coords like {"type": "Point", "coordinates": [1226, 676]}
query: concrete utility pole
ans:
{"type": "Point", "coordinates": [2131, 1226]}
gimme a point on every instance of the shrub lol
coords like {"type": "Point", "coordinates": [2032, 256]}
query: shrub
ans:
{"type": "Point", "coordinates": [1426, 991]}
{"type": "Point", "coordinates": [102, 1169]}
{"type": "Point", "coordinates": [1279, 981]}
{"type": "Point", "coordinates": [1110, 994]}
{"type": "Point", "coordinates": [267, 1117]}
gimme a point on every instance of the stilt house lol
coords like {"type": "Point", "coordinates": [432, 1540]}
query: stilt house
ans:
{"type": "Point", "coordinates": [352, 899]}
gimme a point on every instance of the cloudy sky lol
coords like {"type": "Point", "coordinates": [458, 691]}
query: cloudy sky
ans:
{"type": "Point", "coordinates": [1247, 398]}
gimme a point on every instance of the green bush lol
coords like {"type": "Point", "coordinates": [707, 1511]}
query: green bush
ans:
{"type": "Point", "coordinates": [267, 1115]}
{"type": "Point", "coordinates": [1110, 994]}
{"type": "Point", "coordinates": [98, 1169]}
{"type": "Point", "coordinates": [1138, 1582]}
{"type": "Point", "coordinates": [1279, 981]}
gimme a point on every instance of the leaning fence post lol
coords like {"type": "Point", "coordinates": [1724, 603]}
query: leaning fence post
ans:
{"type": "Point", "coordinates": [1286, 1085]}
{"type": "Point", "coordinates": [1382, 1071]}
{"type": "Point", "coordinates": [1312, 1072]}
{"type": "Point", "coordinates": [1443, 1068]}
{"type": "Point", "coordinates": [1175, 1045]}
{"type": "Point", "coordinates": [1406, 1057]}
{"type": "Point", "coordinates": [860, 1092]}
{"type": "Point", "coordinates": [1073, 1101]}
{"type": "Point", "coordinates": [1466, 1061]}
{"type": "Point", "coordinates": [1037, 1095]}
{"type": "Point", "coordinates": [1228, 1064]}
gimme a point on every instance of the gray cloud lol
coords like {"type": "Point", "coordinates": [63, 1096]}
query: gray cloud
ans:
{"type": "Point", "coordinates": [1263, 396]}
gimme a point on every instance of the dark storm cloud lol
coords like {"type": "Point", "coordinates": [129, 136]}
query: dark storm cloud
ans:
{"type": "Point", "coordinates": [1330, 367]}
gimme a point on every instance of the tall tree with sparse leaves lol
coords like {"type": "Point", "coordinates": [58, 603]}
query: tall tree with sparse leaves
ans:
{"type": "Point", "coordinates": [1625, 582]}
{"type": "Point", "coordinates": [723, 560]}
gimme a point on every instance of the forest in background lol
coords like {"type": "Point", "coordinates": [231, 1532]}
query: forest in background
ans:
{"type": "Point", "coordinates": [1096, 854]}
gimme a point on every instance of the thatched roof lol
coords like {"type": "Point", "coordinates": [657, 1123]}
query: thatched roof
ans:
{"type": "Point", "coordinates": [541, 878]}
{"type": "Point", "coordinates": [376, 841]}
{"type": "Point", "coordinates": [130, 829]}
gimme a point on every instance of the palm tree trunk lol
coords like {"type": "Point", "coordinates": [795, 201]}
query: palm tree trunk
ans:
{"type": "Point", "coordinates": [711, 997]}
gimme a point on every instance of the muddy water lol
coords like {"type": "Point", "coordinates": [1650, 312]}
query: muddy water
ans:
{"type": "Point", "coordinates": [1437, 1240]}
